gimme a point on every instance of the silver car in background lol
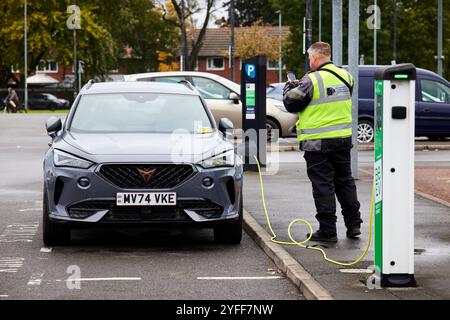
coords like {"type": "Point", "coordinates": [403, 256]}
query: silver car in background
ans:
{"type": "Point", "coordinates": [135, 154]}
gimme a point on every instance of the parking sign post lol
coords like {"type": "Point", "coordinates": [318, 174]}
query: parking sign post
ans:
{"type": "Point", "coordinates": [253, 96]}
{"type": "Point", "coordinates": [394, 174]}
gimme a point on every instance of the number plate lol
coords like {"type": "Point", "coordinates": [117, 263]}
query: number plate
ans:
{"type": "Point", "coordinates": [146, 199]}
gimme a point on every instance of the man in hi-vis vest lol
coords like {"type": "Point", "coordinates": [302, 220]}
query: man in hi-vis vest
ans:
{"type": "Point", "coordinates": [322, 98]}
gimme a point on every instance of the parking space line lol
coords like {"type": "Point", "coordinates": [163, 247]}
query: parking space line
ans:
{"type": "Point", "coordinates": [30, 209]}
{"type": "Point", "coordinates": [19, 232]}
{"type": "Point", "coordinates": [35, 279]}
{"type": "Point", "coordinates": [103, 279]}
{"type": "Point", "coordinates": [4, 296]}
{"type": "Point", "coordinates": [11, 264]}
{"type": "Point", "coordinates": [357, 271]}
{"type": "Point", "coordinates": [240, 278]}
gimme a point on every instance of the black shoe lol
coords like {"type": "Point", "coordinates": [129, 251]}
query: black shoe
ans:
{"type": "Point", "coordinates": [320, 236]}
{"type": "Point", "coordinates": [353, 233]}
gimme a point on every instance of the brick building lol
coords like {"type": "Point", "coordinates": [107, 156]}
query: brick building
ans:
{"type": "Point", "coordinates": [214, 58]}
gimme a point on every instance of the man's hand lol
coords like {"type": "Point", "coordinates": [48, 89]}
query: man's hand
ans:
{"type": "Point", "coordinates": [290, 85]}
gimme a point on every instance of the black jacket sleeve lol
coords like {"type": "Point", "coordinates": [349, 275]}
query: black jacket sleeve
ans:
{"type": "Point", "coordinates": [296, 105]}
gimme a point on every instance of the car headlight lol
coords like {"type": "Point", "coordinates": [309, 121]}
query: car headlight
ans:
{"type": "Point", "coordinates": [281, 107]}
{"type": "Point", "coordinates": [63, 159]}
{"type": "Point", "coordinates": [226, 159]}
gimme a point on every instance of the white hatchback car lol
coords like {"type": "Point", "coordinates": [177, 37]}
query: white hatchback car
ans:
{"type": "Point", "coordinates": [223, 99]}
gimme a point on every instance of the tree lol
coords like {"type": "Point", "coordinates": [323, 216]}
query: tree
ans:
{"type": "Point", "coordinates": [138, 24]}
{"type": "Point", "coordinates": [417, 31]}
{"type": "Point", "coordinates": [105, 31]}
{"type": "Point", "coordinates": [48, 34]}
{"type": "Point", "coordinates": [192, 37]}
{"type": "Point", "coordinates": [247, 12]}
{"type": "Point", "coordinates": [252, 41]}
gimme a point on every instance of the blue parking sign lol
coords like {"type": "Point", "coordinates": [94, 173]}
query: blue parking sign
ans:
{"type": "Point", "coordinates": [250, 69]}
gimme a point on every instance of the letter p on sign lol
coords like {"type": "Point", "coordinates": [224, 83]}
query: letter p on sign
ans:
{"type": "Point", "coordinates": [250, 69]}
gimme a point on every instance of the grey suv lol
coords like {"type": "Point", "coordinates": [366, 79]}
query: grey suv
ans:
{"type": "Point", "coordinates": [139, 153]}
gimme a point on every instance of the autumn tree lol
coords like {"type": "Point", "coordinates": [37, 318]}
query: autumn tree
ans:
{"type": "Point", "coordinates": [48, 34]}
{"type": "Point", "coordinates": [252, 41]}
{"type": "Point", "coordinates": [192, 37]}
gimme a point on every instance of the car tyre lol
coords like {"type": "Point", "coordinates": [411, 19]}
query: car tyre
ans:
{"type": "Point", "coordinates": [53, 234]}
{"type": "Point", "coordinates": [366, 131]}
{"type": "Point", "coordinates": [230, 233]}
{"type": "Point", "coordinates": [271, 126]}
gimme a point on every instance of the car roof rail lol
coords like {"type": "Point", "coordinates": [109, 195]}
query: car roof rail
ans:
{"type": "Point", "coordinates": [187, 84]}
{"type": "Point", "coordinates": [89, 84]}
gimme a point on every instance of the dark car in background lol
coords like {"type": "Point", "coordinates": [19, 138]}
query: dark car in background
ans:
{"type": "Point", "coordinates": [47, 101]}
{"type": "Point", "coordinates": [432, 104]}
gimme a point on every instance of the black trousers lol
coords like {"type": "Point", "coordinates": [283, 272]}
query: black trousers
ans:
{"type": "Point", "coordinates": [330, 173]}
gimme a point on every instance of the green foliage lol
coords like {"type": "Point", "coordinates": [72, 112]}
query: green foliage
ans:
{"type": "Point", "coordinates": [250, 11]}
{"type": "Point", "coordinates": [416, 29]}
{"type": "Point", "coordinates": [106, 28]}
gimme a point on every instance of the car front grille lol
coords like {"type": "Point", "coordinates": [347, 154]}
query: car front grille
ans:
{"type": "Point", "coordinates": [142, 176]}
{"type": "Point", "coordinates": [205, 208]}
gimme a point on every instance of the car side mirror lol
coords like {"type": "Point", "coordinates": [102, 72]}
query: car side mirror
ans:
{"type": "Point", "coordinates": [53, 126]}
{"type": "Point", "coordinates": [225, 124]}
{"type": "Point", "coordinates": [235, 97]}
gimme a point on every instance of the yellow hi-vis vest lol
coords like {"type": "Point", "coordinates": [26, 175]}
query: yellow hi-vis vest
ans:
{"type": "Point", "coordinates": [329, 115]}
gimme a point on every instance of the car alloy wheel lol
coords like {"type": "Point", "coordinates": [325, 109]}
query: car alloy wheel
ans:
{"type": "Point", "coordinates": [271, 127]}
{"type": "Point", "coordinates": [366, 132]}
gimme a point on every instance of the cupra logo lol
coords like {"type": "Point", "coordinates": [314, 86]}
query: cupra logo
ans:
{"type": "Point", "coordinates": [147, 174]}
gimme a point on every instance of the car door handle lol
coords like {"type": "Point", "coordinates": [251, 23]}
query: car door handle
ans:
{"type": "Point", "coordinates": [427, 110]}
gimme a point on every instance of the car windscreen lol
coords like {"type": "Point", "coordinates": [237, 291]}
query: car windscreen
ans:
{"type": "Point", "coordinates": [139, 113]}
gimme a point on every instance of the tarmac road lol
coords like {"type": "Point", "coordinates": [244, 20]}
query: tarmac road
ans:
{"type": "Point", "coordinates": [130, 264]}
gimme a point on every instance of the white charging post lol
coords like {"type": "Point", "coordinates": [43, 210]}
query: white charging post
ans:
{"type": "Point", "coordinates": [395, 88]}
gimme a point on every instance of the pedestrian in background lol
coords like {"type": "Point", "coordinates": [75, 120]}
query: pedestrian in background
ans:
{"type": "Point", "coordinates": [11, 101]}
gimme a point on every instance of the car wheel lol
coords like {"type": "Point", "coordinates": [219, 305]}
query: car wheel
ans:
{"type": "Point", "coordinates": [366, 132]}
{"type": "Point", "coordinates": [53, 234]}
{"type": "Point", "coordinates": [271, 127]}
{"type": "Point", "coordinates": [230, 233]}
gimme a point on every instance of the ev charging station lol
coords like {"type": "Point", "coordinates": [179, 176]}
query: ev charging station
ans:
{"type": "Point", "coordinates": [395, 90]}
{"type": "Point", "coordinates": [253, 96]}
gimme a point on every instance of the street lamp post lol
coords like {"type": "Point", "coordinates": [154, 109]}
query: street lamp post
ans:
{"type": "Point", "coordinates": [337, 32]}
{"type": "Point", "coordinates": [308, 32]}
{"type": "Point", "coordinates": [183, 39]}
{"type": "Point", "coordinates": [232, 22]}
{"type": "Point", "coordinates": [74, 23]}
{"type": "Point", "coordinates": [440, 55]}
{"type": "Point", "coordinates": [375, 30]}
{"type": "Point", "coordinates": [394, 37]}
{"type": "Point", "coordinates": [280, 60]}
{"type": "Point", "coordinates": [25, 55]}
{"type": "Point", "coordinates": [320, 20]}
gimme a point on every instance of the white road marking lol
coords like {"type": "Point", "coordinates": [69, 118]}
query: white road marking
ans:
{"type": "Point", "coordinates": [359, 271]}
{"type": "Point", "coordinates": [4, 296]}
{"type": "Point", "coordinates": [30, 209]}
{"type": "Point", "coordinates": [46, 250]}
{"type": "Point", "coordinates": [11, 264]}
{"type": "Point", "coordinates": [19, 232]}
{"type": "Point", "coordinates": [240, 278]}
{"type": "Point", "coordinates": [35, 279]}
{"type": "Point", "coordinates": [104, 279]}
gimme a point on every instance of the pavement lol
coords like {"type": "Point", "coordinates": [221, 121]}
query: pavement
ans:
{"type": "Point", "coordinates": [113, 264]}
{"type": "Point", "coordinates": [289, 196]}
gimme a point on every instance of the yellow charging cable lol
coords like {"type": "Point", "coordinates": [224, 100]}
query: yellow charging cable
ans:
{"type": "Point", "coordinates": [303, 244]}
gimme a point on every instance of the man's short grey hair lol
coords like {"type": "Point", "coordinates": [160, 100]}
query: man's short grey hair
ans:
{"type": "Point", "coordinates": [322, 49]}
